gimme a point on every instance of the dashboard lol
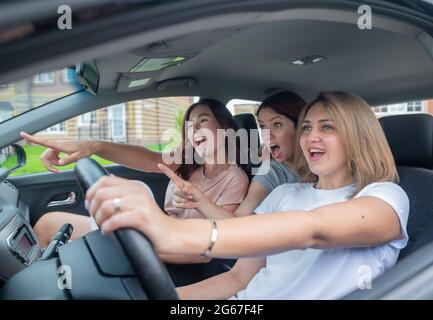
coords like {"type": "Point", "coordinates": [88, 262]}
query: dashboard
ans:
{"type": "Point", "coordinates": [18, 243]}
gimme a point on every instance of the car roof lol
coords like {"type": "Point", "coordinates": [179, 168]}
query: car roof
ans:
{"type": "Point", "coordinates": [243, 50]}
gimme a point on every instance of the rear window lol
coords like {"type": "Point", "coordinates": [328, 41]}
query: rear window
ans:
{"type": "Point", "coordinates": [418, 106]}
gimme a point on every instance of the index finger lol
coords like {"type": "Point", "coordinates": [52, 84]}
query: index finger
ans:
{"type": "Point", "coordinates": [37, 140]}
{"type": "Point", "coordinates": [105, 181]}
{"type": "Point", "coordinates": [180, 183]}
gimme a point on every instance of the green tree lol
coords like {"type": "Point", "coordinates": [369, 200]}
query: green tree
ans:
{"type": "Point", "coordinates": [176, 132]}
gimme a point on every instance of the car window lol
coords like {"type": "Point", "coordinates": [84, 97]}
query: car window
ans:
{"type": "Point", "coordinates": [418, 106]}
{"type": "Point", "coordinates": [238, 106]}
{"type": "Point", "coordinates": [24, 95]}
{"type": "Point", "coordinates": [153, 123]}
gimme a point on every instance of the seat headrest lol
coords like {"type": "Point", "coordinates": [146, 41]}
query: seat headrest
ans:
{"type": "Point", "coordinates": [246, 121]}
{"type": "Point", "coordinates": [410, 137]}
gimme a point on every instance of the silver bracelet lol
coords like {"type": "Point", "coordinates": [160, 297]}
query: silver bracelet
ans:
{"type": "Point", "coordinates": [213, 239]}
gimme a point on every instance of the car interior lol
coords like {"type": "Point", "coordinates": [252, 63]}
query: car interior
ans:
{"type": "Point", "coordinates": [219, 49]}
{"type": "Point", "coordinates": [412, 151]}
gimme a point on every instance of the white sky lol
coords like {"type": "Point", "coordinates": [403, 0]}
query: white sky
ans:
{"type": "Point", "coordinates": [239, 101]}
{"type": "Point", "coordinates": [233, 102]}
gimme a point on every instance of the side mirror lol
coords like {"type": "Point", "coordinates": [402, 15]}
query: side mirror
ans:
{"type": "Point", "coordinates": [12, 158]}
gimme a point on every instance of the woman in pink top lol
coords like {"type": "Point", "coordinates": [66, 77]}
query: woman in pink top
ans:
{"type": "Point", "coordinates": [221, 181]}
{"type": "Point", "coordinates": [226, 188]}
{"type": "Point", "coordinates": [203, 160]}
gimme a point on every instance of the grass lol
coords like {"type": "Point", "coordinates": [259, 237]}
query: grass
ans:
{"type": "Point", "coordinates": [34, 163]}
{"type": "Point", "coordinates": [155, 147]}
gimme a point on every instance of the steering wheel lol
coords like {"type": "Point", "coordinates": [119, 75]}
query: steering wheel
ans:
{"type": "Point", "coordinates": [151, 272]}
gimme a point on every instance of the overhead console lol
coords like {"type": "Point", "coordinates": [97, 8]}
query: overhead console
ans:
{"type": "Point", "coordinates": [169, 53]}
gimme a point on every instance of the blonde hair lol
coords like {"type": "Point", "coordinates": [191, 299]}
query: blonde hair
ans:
{"type": "Point", "coordinates": [369, 158]}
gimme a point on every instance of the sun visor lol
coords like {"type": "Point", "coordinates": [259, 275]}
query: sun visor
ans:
{"type": "Point", "coordinates": [131, 81]}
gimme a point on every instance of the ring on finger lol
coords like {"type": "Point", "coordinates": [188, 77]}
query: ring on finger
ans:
{"type": "Point", "coordinates": [117, 205]}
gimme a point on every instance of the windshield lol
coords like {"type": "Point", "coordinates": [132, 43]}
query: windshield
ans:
{"type": "Point", "coordinates": [24, 95]}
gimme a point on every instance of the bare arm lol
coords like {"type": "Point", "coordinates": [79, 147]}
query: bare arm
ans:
{"type": "Point", "coordinates": [226, 284]}
{"type": "Point", "coordinates": [364, 221]}
{"type": "Point", "coordinates": [189, 196]}
{"type": "Point", "coordinates": [256, 194]}
{"type": "Point", "coordinates": [188, 259]}
{"type": "Point", "coordinates": [183, 259]}
{"type": "Point", "coordinates": [210, 210]}
{"type": "Point", "coordinates": [135, 157]}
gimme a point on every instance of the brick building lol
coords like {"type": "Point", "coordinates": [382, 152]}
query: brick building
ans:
{"type": "Point", "coordinates": [140, 122]}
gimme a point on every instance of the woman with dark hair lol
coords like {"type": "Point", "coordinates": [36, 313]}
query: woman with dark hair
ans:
{"type": "Point", "coordinates": [277, 116]}
{"type": "Point", "coordinates": [222, 182]}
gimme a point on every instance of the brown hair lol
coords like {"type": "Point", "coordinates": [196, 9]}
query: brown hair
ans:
{"type": "Point", "coordinates": [224, 119]}
{"type": "Point", "coordinates": [369, 158]}
{"type": "Point", "coordinates": [286, 103]}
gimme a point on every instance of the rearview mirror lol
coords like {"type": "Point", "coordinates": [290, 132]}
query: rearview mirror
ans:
{"type": "Point", "coordinates": [88, 76]}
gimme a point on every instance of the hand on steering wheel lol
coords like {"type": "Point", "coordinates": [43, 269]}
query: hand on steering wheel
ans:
{"type": "Point", "coordinates": [118, 203]}
{"type": "Point", "coordinates": [125, 206]}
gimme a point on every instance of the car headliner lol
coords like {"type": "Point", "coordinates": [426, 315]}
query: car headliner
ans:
{"type": "Point", "coordinates": [382, 64]}
{"type": "Point", "coordinates": [247, 55]}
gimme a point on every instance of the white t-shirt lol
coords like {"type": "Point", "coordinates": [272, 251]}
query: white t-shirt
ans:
{"type": "Point", "coordinates": [328, 273]}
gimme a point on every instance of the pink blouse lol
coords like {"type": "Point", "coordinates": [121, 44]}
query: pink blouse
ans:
{"type": "Point", "coordinates": [228, 187]}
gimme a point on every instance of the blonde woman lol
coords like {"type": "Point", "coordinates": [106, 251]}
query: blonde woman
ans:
{"type": "Point", "coordinates": [308, 240]}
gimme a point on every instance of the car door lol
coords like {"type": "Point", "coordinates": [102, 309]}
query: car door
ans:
{"type": "Point", "coordinates": [46, 192]}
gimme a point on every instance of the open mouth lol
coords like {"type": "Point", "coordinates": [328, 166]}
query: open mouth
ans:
{"type": "Point", "coordinates": [275, 150]}
{"type": "Point", "coordinates": [316, 153]}
{"type": "Point", "coordinates": [199, 140]}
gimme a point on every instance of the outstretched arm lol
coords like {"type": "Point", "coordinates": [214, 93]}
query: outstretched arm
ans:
{"type": "Point", "coordinates": [364, 221]}
{"type": "Point", "coordinates": [360, 222]}
{"type": "Point", "coordinates": [135, 157]}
